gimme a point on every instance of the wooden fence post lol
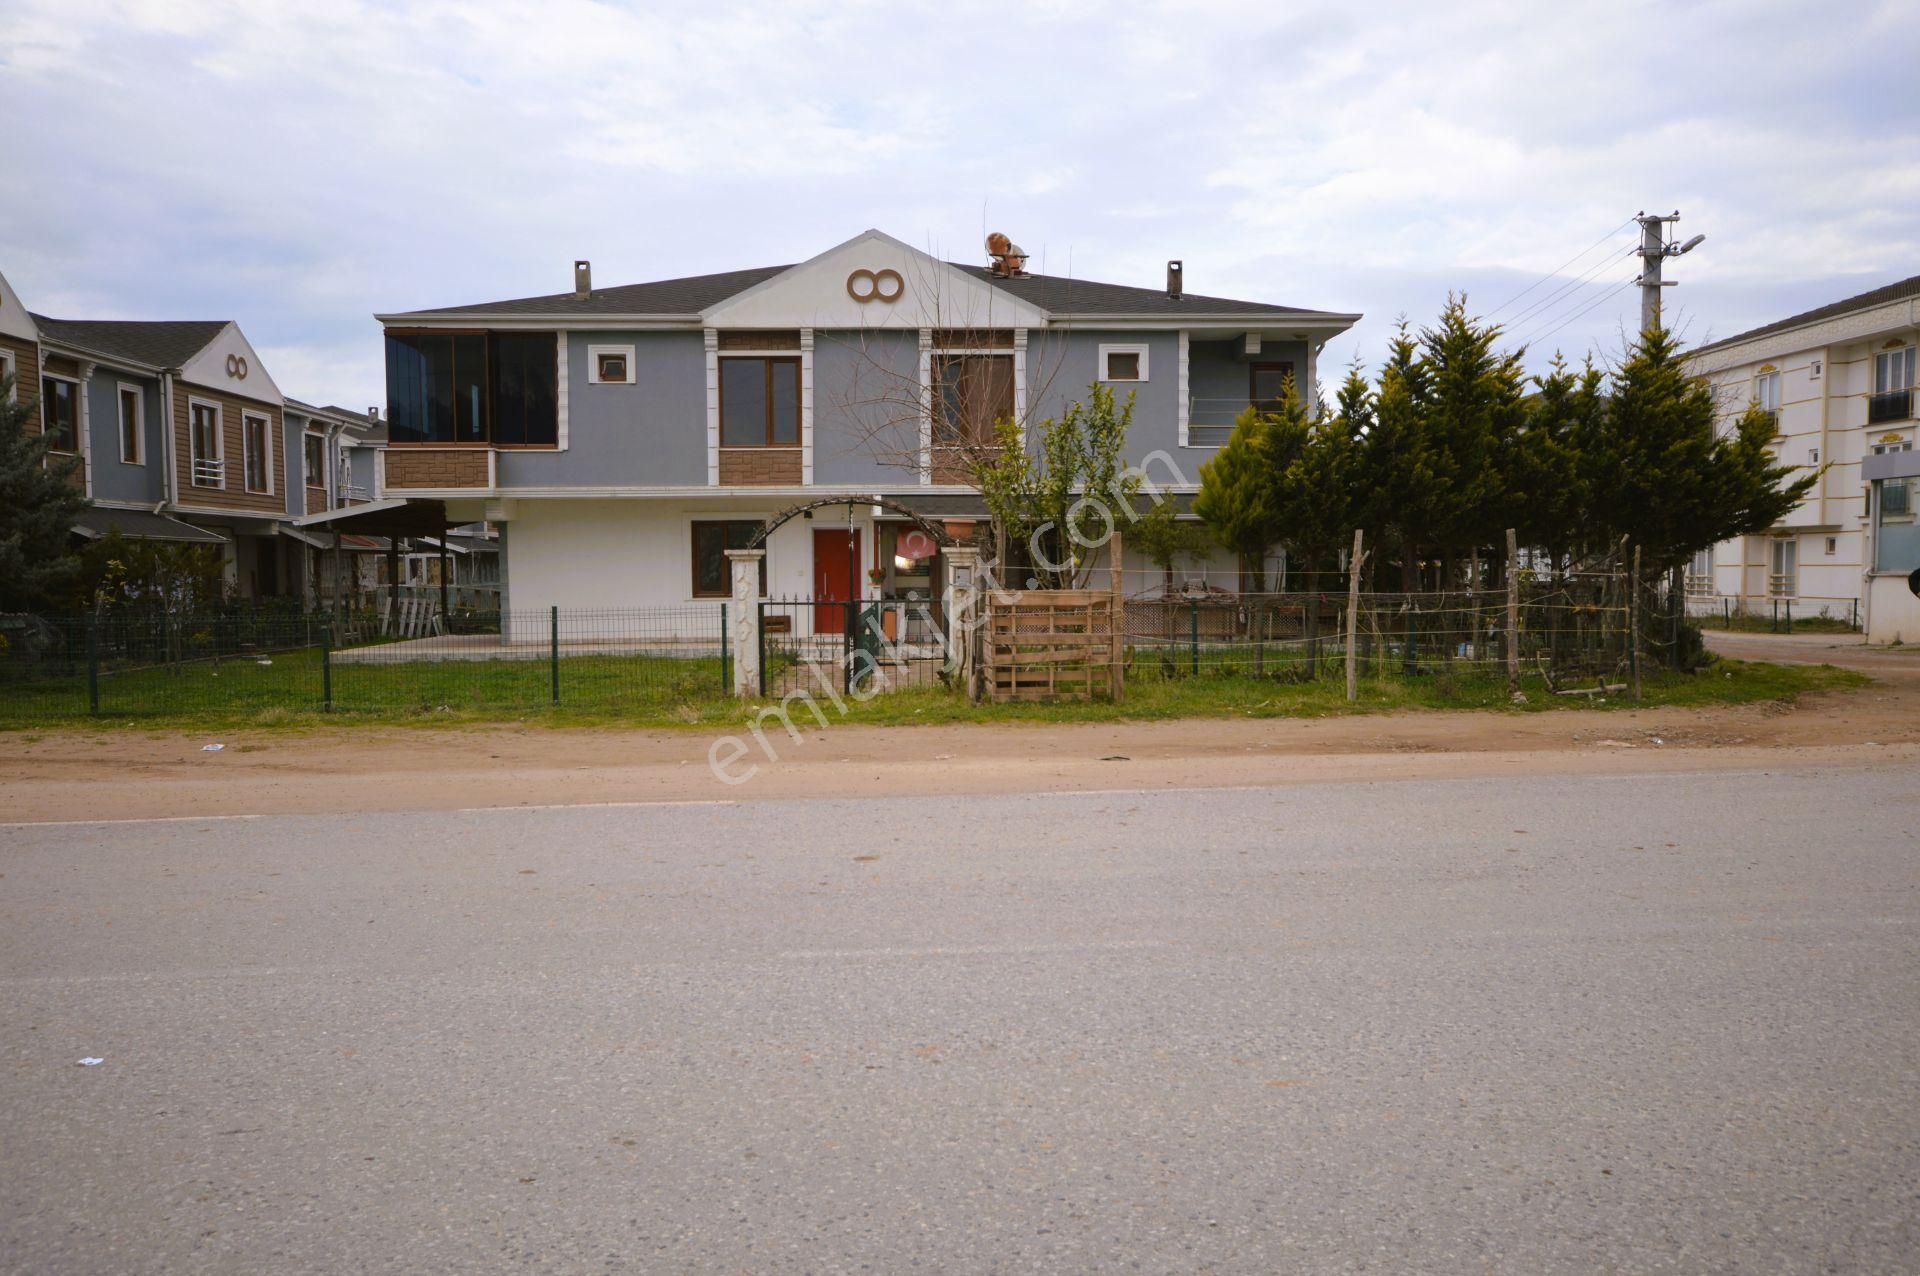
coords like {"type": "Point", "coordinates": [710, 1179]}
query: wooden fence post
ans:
{"type": "Point", "coordinates": [1513, 613]}
{"type": "Point", "coordinates": [1353, 613]}
{"type": "Point", "coordinates": [1633, 622]}
{"type": "Point", "coordinates": [1116, 648]}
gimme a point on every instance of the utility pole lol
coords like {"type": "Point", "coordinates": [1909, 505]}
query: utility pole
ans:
{"type": "Point", "coordinates": [1655, 249]}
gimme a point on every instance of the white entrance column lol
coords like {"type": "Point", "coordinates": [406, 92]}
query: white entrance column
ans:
{"type": "Point", "coordinates": [961, 600]}
{"type": "Point", "coordinates": [743, 622]}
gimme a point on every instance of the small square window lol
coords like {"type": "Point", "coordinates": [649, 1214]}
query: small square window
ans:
{"type": "Point", "coordinates": [1123, 363]}
{"type": "Point", "coordinates": [610, 365]}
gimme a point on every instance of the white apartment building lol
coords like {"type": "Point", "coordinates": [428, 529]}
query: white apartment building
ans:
{"type": "Point", "coordinates": [1840, 382]}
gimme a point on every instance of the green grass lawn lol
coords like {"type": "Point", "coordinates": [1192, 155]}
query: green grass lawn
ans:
{"type": "Point", "coordinates": [291, 686]}
{"type": "Point", "coordinates": [652, 691]}
{"type": "Point", "coordinates": [1756, 624]}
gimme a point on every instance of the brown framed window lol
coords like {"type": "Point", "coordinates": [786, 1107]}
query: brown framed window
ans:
{"type": "Point", "coordinates": [711, 541]}
{"type": "Point", "coordinates": [256, 451]}
{"type": "Point", "coordinates": [204, 448]}
{"type": "Point", "coordinates": [315, 458]}
{"type": "Point", "coordinates": [970, 393]}
{"type": "Point", "coordinates": [1267, 385]}
{"type": "Point", "coordinates": [60, 413]}
{"type": "Point", "coordinates": [760, 401]}
{"type": "Point", "coordinates": [130, 423]}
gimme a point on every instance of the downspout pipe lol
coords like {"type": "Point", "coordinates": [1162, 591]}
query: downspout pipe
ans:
{"type": "Point", "coordinates": [170, 480]}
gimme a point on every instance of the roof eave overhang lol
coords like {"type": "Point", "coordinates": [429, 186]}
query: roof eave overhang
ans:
{"type": "Point", "coordinates": [90, 355]}
{"type": "Point", "coordinates": [1228, 322]}
{"type": "Point", "coordinates": [437, 319]}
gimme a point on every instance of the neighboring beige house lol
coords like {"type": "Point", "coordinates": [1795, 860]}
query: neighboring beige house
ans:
{"type": "Point", "coordinates": [1840, 382]}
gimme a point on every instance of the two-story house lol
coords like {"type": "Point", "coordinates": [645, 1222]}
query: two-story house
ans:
{"type": "Point", "coordinates": [622, 439]}
{"type": "Point", "coordinates": [1839, 381]}
{"type": "Point", "coordinates": [181, 434]}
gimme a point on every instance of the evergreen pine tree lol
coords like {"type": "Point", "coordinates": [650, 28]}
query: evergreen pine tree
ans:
{"type": "Point", "coordinates": [38, 503]}
{"type": "Point", "coordinates": [1474, 407]}
{"type": "Point", "coordinates": [1656, 471]}
{"type": "Point", "coordinates": [1235, 500]}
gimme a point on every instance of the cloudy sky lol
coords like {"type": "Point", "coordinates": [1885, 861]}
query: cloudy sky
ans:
{"type": "Point", "coordinates": [298, 167]}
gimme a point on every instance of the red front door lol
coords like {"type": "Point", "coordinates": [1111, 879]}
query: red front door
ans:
{"type": "Point", "coordinates": [836, 559]}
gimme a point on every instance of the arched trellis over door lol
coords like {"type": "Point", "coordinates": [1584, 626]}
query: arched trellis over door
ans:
{"type": "Point", "coordinates": [907, 512]}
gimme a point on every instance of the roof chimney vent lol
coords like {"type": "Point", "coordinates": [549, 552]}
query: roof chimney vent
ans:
{"type": "Point", "coordinates": [583, 279]}
{"type": "Point", "coordinates": [1009, 259]}
{"type": "Point", "coordinates": [373, 413]}
{"type": "Point", "coordinates": [1175, 269]}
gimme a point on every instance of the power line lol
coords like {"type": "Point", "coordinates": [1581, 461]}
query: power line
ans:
{"type": "Point", "coordinates": [1585, 310]}
{"type": "Point", "coordinates": [1540, 310]}
{"type": "Point", "coordinates": [1562, 266]}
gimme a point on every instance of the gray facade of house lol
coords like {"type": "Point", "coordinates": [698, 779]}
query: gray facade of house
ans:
{"type": "Point", "coordinates": [651, 433]}
{"type": "Point", "coordinates": [682, 413]}
{"type": "Point", "coordinates": [868, 389]}
{"type": "Point", "coordinates": [114, 479]}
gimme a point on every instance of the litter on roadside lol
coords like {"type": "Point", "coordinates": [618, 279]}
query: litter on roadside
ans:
{"type": "Point", "coordinates": [91, 1062]}
{"type": "Point", "coordinates": [212, 748]}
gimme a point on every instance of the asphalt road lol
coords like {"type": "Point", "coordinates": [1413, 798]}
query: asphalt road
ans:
{"type": "Point", "coordinates": [1658, 1023]}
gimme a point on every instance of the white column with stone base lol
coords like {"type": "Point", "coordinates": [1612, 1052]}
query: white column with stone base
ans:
{"type": "Point", "coordinates": [962, 606]}
{"type": "Point", "coordinates": [743, 620]}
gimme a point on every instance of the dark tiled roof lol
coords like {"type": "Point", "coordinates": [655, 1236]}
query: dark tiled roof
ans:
{"type": "Point", "coordinates": [1062, 295]}
{"type": "Point", "coordinates": [1878, 297]}
{"type": "Point", "coordinates": [663, 297]}
{"type": "Point", "coordinates": [1054, 293]}
{"type": "Point", "coordinates": [360, 420]}
{"type": "Point", "coordinates": [167, 343]}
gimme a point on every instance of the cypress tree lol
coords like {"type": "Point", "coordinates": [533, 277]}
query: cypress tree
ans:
{"type": "Point", "coordinates": [1656, 471]}
{"type": "Point", "coordinates": [38, 503]}
{"type": "Point", "coordinates": [1236, 494]}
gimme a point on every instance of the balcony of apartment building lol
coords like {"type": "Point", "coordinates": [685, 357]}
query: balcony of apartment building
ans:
{"type": "Point", "coordinates": [1893, 386]}
{"type": "Point", "coordinates": [1889, 406]}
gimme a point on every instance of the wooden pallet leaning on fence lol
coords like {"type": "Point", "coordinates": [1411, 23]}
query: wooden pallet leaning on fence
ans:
{"type": "Point", "coordinates": [1050, 644]}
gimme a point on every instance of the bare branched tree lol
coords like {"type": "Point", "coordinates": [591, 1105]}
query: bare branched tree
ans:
{"type": "Point", "coordinates": [933, 384]}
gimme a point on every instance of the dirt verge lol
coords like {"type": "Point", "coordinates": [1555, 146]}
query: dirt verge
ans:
{"type": "Point", "coordinates": [128, 775]}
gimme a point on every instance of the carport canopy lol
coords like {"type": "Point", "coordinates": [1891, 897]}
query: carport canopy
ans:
{"type": "Point", "coordinates": [392, 517]}
{"type": "Point", "coordinates": [141, 525]}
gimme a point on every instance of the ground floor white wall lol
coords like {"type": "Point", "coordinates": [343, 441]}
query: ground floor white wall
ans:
{"type": "Point", "coordinates": [1829, 577]}
{"type": "Point", "coordinates": [612, 555]}
{"type": "Point", "coordinates": [1893, 612]}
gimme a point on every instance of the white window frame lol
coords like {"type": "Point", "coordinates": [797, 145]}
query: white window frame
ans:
{"type": "Point", "coordinates": [79, 413]}
{"type": "Point", "coordinates": [307, 476]}
{"type": "Point", "coordinates": [1699, 580]}
{"type": "Point", "coordinates": [120, 391]}
{"type": "Point", "coordinates": [1904, 486]}
{"type": "Point", "coordinates": [1886, 358]}
{"type": "Point", "coordinates": [6, 366]}
{"type": "Point", "coordinates": [593, 365]}
{"type": "Point", "coordinates": [1768, 381]}
{"type": "Point", "coordinates": [219, 443]}
{"type": "Point", "coordinates": [1106, 355]}
{"type": "Point", "coordinates": [1783, 584]}
{"type": "Point", "coordinates": [266, 462]}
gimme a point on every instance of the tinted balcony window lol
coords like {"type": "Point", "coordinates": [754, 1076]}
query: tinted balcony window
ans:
{"type": "Point", "coordinates": [499, 388]}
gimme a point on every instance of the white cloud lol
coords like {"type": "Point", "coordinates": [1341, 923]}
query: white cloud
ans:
{"type": "Point", "coordinates": [299, 166]}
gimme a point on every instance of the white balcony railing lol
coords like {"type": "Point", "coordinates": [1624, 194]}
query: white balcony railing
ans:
{"type": "Point", "coordinates": [208, 472]}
